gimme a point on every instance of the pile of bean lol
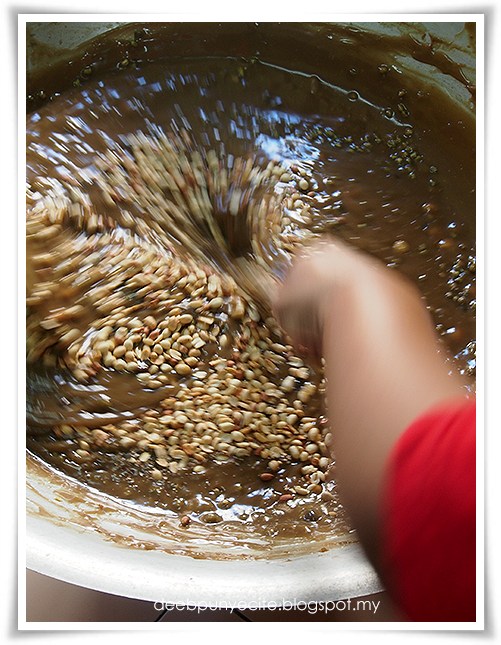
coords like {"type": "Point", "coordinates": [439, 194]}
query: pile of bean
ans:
{"type": "Point", "coordinates": [111, 292]}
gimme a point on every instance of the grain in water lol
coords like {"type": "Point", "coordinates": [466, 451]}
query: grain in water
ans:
{"type": "Point", "coordinates": [170, 384]}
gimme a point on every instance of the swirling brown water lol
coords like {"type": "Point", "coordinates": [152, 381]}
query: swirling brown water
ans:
{"type": "Point", "coordinates": [381, 180]}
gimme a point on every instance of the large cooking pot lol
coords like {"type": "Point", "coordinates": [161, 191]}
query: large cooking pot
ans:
{"type": "Point", "coordinates": [83, 537]}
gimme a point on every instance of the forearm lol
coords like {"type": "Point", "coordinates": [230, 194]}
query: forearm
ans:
{"type": "Point", "coordinates": [382, 361]}
{"type": "Point", "coordinates": [383, 369]}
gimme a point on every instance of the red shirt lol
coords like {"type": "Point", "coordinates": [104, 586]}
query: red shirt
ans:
{"type": "Point", "coordinates": [429, 544]}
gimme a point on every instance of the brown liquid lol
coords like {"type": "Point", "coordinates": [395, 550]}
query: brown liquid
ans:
{"type": "Point", "coordinates": [391, 174]}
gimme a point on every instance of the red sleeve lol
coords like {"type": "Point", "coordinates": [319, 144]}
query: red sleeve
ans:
{"type": "Point", "coordinates": [430, 516]}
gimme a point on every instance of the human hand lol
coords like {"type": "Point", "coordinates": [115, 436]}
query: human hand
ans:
{"type": "Point", "coordinates": [311, 295]}
{"type": "Point", "coordinates": [383, 363]}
